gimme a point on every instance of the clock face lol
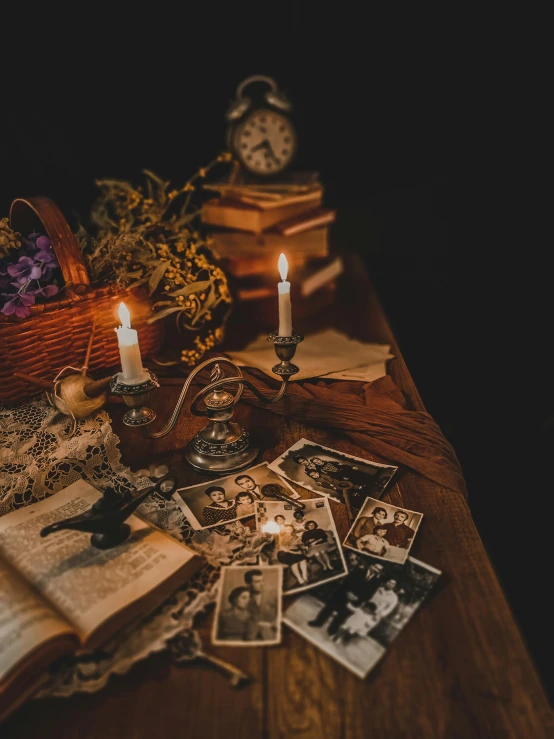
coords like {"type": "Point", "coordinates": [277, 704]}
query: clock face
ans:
{"type": "Point", "coordinates": [265, 142]}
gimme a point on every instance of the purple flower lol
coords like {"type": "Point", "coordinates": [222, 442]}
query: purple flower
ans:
{"type": "Point", "coordinates": [25, 269]}
{"type": "Point", "coordinates": [45, 252]}
{"type": "Point", "coordinates": [20, 274]}
{"type": "Point", "coordinates": [19, 304]}
{"type": "Point", "coordinates": [32, 238]}
{"type": "Point", "coordinates": [28, 247]}
{"type": "Point", "coordinates": [47, 291]}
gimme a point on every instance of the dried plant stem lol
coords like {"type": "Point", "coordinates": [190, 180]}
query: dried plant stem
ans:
{"type": "Point", "coordinates": [84, 368]}
{"type": "Point", "coordinates": [39, 382]}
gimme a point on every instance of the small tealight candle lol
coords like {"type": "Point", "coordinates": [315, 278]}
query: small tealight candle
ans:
{"type": "Point", "coordinates": [283, 287]}
{"type": "Point", "coordinates": [132, 371]}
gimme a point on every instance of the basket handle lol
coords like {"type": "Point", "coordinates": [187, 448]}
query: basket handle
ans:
{"type": "Point", "coordinates": [70, 259]}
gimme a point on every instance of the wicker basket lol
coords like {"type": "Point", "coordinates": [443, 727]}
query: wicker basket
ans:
{"type": "Point", "coordinates": [57, 331]}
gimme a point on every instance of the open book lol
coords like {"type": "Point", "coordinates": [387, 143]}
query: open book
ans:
{"type": "Point", "coordinates": [59, 594]}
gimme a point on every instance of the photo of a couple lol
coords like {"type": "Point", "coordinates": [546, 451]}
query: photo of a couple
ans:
{"type": "Point", "coordinates": [248, 610]}
{"type": "Point", "coordinates": [383, 530]}
{"type": "Point", "coordinates": [229, 498]}
{"type": "Point", "coordinates": [334, 474]}
{"type": "Point", "coordinates": [355, 619]}
{"type": "Point", "coordinates": [304, 541]}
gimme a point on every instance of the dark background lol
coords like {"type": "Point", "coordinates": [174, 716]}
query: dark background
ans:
{"type": "Point", "coordinates": [415, 129]}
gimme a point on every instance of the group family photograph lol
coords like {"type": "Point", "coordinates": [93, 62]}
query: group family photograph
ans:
{"type": "Point", "coordinates": [345, 478]}
{"type": "Point", "coordinates": [230, 498]}
{"type": "Point", "coordinates": [383, 530]}
{"type": "Point", "coordinates": [305, 542]}
{"type": "Point", "coordinates": [355, 619]}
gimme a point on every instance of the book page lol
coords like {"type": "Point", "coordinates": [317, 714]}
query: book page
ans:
{"type": "Point", "coordinates": [85, 584]}
{"type": "Point", "coordinates": [26, 621]}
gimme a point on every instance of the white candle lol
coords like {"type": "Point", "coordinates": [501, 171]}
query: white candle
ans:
{"type": "Point", "coordinates": [132, 371]}
{"type": "Point", "coordinates": [285, 313]}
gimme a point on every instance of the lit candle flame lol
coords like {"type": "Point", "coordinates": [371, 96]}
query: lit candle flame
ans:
{"type": "Point", "coordinates": [283, 267]}
{"type": "Point", "coordinates": [271, 528]}
{"type": "Point", "coordinates": [124, 316]}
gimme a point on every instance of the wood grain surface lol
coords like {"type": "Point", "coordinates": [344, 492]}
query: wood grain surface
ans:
{"type": "Point", "coordinates": [459, 668]}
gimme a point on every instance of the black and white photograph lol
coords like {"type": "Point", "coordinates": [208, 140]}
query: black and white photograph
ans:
{"type": "Point", "coordinates": [305, 542]}
{"type": "Point", "coordinates": [354, 620]}
{"type": "Point", "coordinates": [383, 530]}
{"type": "Point", "coordinates": [229, 498]}
{"type": "Point", "coordinates": [248, 610]}
{"type": "Point", "coordinates": [334, 474]}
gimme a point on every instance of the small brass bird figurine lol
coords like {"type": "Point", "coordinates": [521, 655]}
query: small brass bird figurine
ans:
{"type": "Point", "coordinates": [104, 520]}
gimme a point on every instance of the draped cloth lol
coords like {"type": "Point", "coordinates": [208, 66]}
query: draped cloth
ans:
{"type": "Point", "coordinates": [375, 417]}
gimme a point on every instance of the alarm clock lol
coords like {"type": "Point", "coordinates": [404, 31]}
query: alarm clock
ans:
{"type": "Point", "coordinates": [260, 133]}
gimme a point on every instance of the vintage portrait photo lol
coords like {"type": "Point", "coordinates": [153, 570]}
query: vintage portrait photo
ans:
{"type": "Point", "coordinates": [248, 610]}
{"type": "Point", "coordinates": [327, 472]}
{"type": "Point", "coordinates": [383, 530]}
{"type": "Point", "coordinates": [355, 619]}
{"type": "Point", "coordinates": [305, 542]}
{"type": "Point", "coordinates": [229, 498]}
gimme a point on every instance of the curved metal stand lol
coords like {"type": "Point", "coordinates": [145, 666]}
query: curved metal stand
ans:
{"type": "Point", "coordinates": [221, 446]}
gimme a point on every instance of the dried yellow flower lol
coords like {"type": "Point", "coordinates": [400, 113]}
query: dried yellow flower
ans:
{"type": "Point", "coordinates": [138, 235]}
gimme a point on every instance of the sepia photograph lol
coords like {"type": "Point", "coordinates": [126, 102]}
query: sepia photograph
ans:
{"type": "Point", "coordinates": [226, 499]}
{"type": "Point", "coordinates": [355, 619]}
{"type": "Point", "coordinates": [305, 542]}
{"type": "Point", "coordinates": [345, 478]}
{"type": "Point", "coordinates": [248, 610]}
{"type": "Point", "coordinates": [383, 530]}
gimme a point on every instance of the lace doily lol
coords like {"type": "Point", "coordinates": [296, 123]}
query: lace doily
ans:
{"type": "Point", "coordinates": [39, 457]}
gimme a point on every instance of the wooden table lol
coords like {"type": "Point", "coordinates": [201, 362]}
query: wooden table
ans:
{"type": "Point", "coordinates": [459, 668]}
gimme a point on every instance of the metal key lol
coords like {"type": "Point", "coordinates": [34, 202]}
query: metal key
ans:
{"type": "Point", "coordinates": [186, 646]}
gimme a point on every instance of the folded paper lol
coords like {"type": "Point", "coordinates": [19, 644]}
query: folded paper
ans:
{"type": "Point", "coordinates": [327, 353]}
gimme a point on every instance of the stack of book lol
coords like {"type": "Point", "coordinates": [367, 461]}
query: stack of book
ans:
{"type": "Point", "coordinates": [251, 225]}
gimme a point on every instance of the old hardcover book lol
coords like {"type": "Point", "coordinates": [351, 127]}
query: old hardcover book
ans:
{"type": "Point", "coordinates": [59, 594]}
{"type": "Point", "coordinates": [292, 183]}
{"type": "Point", "coordinates": [306, 221]}
{"type": "Point", "coordinates": [244, 254]}
{"type": "Point", "coordinates": [248, 217]}
{"type": "Point", "coordinates": [304, 282]}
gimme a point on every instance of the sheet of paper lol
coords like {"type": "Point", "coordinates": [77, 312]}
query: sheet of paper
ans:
{"type": "Point", "coordinates": [318, 355]}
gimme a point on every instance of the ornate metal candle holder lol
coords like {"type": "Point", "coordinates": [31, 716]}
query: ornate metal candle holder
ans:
{"type": "Point", "coordinates": [221, 446]}
{"type": "Point", "coordinates": [136, 396]}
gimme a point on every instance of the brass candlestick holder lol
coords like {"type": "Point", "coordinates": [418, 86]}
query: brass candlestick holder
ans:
{"type": "Point", "coordinates": [222, 445]}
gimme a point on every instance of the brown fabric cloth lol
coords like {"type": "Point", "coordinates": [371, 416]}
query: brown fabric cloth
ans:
{"type": "Point", "coordinates": [374, 416]}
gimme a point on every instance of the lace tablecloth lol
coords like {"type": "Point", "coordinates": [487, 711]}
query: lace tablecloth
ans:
{"type": "Point", "coordinates": [39, 457]}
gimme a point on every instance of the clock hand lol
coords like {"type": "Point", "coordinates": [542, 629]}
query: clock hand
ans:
{"type": "Point", "coordinates": [271, 152]}
{"type": "Point", "coordinates": [262, 145]}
